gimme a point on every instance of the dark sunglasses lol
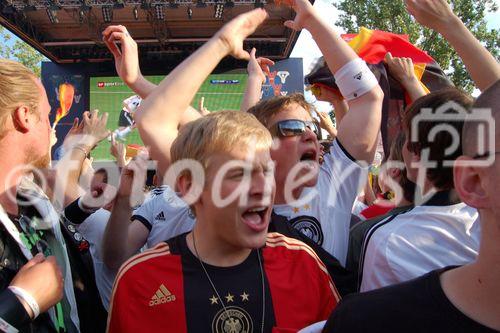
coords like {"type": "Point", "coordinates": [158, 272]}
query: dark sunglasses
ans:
{"type": "Point", "coordinates": [293, 127]}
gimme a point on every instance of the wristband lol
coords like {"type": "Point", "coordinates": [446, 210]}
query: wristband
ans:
{"type": "Point", "coordinates": [6, 327]}
{"type": "Point", "coordinates": [26, 296]}
{"type": "Point", "coordinates": [355, 79]}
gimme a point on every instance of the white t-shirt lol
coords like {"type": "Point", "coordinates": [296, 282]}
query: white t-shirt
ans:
{"type": "Point", "coordinates": [165, 215]}
{"type": "Point", "coordinates": [326, 216]}
{"type": "Point", "coordinates": [92, 229]}
{"type": "Point", "coordinates": [419, 241]}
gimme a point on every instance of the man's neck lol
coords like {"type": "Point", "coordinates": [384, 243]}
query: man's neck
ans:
{"type": "Point", "coordinates": [214, 251]}
{"type": "Point", "coordinates": [475, 289]}
{"type": "Point", "coordinates": [10, 174]}
{"type": "Point", "coordinates": [280, 199]}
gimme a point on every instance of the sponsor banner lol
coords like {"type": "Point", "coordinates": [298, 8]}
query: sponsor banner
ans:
{"type": "Point", "coordinates": [286, 77]}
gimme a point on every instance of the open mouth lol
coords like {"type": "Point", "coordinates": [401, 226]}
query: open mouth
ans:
{"type": "Point", "coordinates": [255, 218]}
{"type": "Point", "coordinates": [310, 155]}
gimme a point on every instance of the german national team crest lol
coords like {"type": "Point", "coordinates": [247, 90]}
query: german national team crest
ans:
{"type": "Point", "coordinates": [236, 320]}
{"type": "Point", "coordinates": [309, 226]}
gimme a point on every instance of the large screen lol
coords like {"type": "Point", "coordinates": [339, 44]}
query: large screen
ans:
{"type": "Point", "coordinates": [220, 92]}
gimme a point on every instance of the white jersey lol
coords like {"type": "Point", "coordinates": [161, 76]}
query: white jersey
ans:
{"type": "Point", "coordinates": [414, 243]}
{"type": "Point", "coordinates": [325, 216]}
{"type": "Point", "coordinates": [165, 215]}
{"type": "Point", "coordinates": [92, 229]}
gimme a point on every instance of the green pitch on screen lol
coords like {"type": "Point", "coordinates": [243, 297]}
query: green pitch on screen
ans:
{"type": "Point", "coordinates": [107, 95]}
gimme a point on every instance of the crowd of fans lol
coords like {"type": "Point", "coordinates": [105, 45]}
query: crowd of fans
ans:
{"type": "Point", "coordinates": [252, 224]}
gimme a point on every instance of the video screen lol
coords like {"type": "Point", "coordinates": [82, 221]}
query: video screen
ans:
{"type": "Point", "coordinates": [111, 95]}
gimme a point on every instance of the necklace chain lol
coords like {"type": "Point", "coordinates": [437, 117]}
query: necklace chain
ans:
{"type": "Point", "coordinates": [217, 293]}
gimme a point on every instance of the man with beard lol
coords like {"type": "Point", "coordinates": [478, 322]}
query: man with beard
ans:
{"type": "Point", "coordinates": [45, 285]}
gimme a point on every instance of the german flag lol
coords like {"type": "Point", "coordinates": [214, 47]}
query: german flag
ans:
{"type": "Point", "coordinates": [372, 46]}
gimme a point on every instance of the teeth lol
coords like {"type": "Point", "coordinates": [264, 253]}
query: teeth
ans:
{"type": "Point", "coordinates": [256, 210]}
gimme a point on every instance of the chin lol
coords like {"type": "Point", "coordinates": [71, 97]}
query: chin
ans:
{"type": "Point", "coordinates": [255, 241]}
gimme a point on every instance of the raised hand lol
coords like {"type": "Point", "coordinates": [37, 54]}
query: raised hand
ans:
{"type": "Point", "coordinates": [133, 179]}
{"type": "Point", "coordinates": [258, 66]}
{"type": "Point", "coordinates": [303, 9]}
{"type": "Point", "coordinates": [94, 127]}
{"type": "Point", "coordinates": [42, 278]}
{"type": "Point", "coordinates": [201, 107]}
{"type": "Point", "coordinates": [119, 151]}
{"type": "Point", "coordinates": [234, 33]}
{"type": "Point", "coordinates": [402, 69]}
{"type": "Point", "coordinates": [434, 14]}
{"type": "Point", "coordinates": [127, 56]}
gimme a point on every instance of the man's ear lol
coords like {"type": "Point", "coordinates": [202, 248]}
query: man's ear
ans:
{"type": "Point", "coordinates": [189, 191]}
{"type": "Point", "coordinates": [468, 183]}
{"type": "Point", "coordinates": [21, 118]}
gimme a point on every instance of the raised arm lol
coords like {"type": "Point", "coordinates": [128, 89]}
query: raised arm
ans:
{"type": "Point", "coordinates": [160, 114]}
{"type": "Point", "coordinates": [360, 126]}
{"type": "Point", "coordinates": [437, 15]}
{"type": "Point", "coordinates": [256, 78]}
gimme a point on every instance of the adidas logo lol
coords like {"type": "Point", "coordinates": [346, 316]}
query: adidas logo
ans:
{"type": "Point", "coordinates": [160, 217]}
{"type": "Point", "coordinates": [162, 296]}
{"type": "Point", "coordinates": [358, 76]}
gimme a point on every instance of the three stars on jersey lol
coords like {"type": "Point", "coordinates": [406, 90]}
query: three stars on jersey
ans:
{"type": "Point", "coordinates": [229, 298]}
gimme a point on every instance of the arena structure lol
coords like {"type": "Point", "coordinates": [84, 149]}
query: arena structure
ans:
{"type": "Point", "coordinates": [81, 75]}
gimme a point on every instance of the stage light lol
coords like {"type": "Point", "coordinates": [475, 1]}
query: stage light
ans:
{"type": "Point", "coordinates": [52, 14]}
{"type": "Point", "coordinates": [200, 4]}
{"type": "Point", "coordinates": [159, 12]}
{"type": "Point", "coordinates": [218, 10]}
{"type": "Point", "coordinates": [229, 4]}
{"type": "Point", "coordinates": [173, 4]}
{"type": "Point", "coordinates": [118, 4]}
{"type": "Point", "coordinates": [107, 14]}
{"type": "Point", "coordinates": [190, 13]}
{"type": "Point", "coordinates": [81, 15]}
{"type": "Point", "coordinates": [135, 11]}
{"type": "Point", "coordinates": [145, 4]}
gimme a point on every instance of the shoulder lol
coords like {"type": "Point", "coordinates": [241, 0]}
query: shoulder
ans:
{"type": "Point", "coordinates": [388, 309]}
{"type": "Point", "coordinates": [146, 260]}
{"type": "Point", "coordinates": [281, 247]}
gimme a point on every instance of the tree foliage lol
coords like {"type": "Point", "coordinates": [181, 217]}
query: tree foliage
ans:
{"type": "Point", "coordinates": [15, 49]}
{"type": "Point", "coordinates": [392, 16]}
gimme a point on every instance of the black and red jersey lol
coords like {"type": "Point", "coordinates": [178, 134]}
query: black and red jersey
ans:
{"type": "Point", "coordinates": [166, 290]}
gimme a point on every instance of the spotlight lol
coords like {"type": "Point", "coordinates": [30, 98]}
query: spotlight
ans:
{"type": "Point", "coordinates": [118, 4]}
{"type": "Point", "coordinates": [190, 13]}
{"type": "Point", "coordinates": [218, 10]}
{"type": "Point", "coordinates": [81, 15]}
{"type": "Point", "coordinates": [200, 4]}
{"type": "Point", "coordinates": [145, 4]}
{"type": "Point", "coordinates": [107, 14]}
{"type": "Point", "coordinates": [52, 14]}
{"type": "Point", "coordinates": [159, 13]}
{"type": "Point", "coordinates": [135, 11]}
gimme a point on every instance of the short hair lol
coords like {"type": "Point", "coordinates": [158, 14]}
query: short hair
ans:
{"type": "Point", "coordinates": [17, 87]}
{"type": "Point", "coordinates": [489, 99]}
{"type": "Point", "coordinates": [440, 176]}
{"type": "Point", "coordinates": [219, 132]}
{"type": "Point", "coordinates": [396, 154]}
{"type": "Point", "coordinates": [266, 109]}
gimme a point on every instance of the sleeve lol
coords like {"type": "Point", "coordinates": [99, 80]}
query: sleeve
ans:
{"type": "Point", "coordinates": [144, 214]}
{"type": "Point", "coordinates": [74, 213]}
{"type": "Point", "coordinates": [344, 177]}
{"type": "Point", "coordinates": [11, 310]}
{"type": "Point", "coordinates": [121, 305]}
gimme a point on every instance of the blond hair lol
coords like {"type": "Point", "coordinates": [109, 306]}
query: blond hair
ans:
{"type": "Point", "coordinates": [17, 87]}
{"type": "Point", "coordinates": [219, 132]}
{"type": "Point", "coordinates": [266, 109]}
